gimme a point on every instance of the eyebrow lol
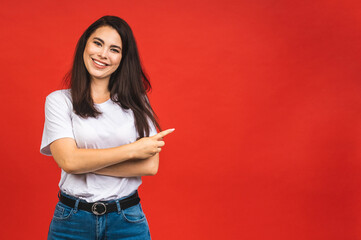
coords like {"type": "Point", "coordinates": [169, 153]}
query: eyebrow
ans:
{"type": "Point", "coordinates": [101, 40]}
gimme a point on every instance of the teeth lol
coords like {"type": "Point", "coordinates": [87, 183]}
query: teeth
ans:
{"type": "Point", "coordinates": [99, 63]}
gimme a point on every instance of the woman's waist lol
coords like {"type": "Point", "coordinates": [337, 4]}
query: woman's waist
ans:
{"type": "Point", "coordinates": [98, 188]}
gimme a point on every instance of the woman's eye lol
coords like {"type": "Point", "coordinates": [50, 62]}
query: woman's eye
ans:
{"type": "Point", "coordinates": [97, 43]}
{"type": "Point", "coordinates": [115, 50]}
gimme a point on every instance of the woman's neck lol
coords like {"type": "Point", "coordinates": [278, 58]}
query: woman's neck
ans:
{"type": "Point", "coordinates": [99, 90]}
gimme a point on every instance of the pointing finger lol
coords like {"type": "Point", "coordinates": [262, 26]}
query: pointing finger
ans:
{"type": "Point", "coordinates": [163, 133]}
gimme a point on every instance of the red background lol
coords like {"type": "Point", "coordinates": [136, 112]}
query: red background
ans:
{"type": "Point", "coordinates": [264, 96]}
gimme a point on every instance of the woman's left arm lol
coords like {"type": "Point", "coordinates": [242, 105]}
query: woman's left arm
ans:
{"type": "Point", "coordinates": [134, 168]}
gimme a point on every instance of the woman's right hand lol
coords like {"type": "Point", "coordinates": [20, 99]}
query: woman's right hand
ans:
{"type": "Point", "coordinates": [149, 146]}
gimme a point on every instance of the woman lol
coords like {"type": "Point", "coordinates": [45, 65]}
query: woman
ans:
{"type": "Point", "coordinates": [102, 134]}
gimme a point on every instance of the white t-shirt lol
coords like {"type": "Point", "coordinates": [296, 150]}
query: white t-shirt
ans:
{"type": "Point", "coordinates": [114, 127]}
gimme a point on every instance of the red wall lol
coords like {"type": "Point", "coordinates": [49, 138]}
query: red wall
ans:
{"type": "Point", "coordinates": [264, 96]}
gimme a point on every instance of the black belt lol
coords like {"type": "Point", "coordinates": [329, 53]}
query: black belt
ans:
{"type": "Point", "coordinates": [100, 208]}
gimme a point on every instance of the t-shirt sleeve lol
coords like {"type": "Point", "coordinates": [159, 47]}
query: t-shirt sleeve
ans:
{"type": "Point", "coordinates": [152, 130]}
{"type": "Point", "coordinates": [58, 122]}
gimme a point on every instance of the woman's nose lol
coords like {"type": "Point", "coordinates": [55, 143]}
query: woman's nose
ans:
{"type": "Point", "coordinates": [103, 53]}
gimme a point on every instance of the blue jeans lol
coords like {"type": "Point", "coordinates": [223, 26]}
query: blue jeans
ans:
{"type": "Point", "coordinates": [74, 224]}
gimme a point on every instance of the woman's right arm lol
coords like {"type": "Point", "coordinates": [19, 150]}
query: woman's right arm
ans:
{"type": "Point", "coordinates": [76, 160]}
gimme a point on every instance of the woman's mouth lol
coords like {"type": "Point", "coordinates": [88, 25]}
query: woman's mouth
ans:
{"type": "Point", "coordinates": [99, 64]}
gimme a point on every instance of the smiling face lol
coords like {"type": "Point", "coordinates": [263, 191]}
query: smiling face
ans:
{"type": "Point", "coordinates": [103, 53]}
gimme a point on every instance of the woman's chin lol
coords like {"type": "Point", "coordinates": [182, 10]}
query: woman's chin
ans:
{"type": "Point", "coordinates": [99, 77]}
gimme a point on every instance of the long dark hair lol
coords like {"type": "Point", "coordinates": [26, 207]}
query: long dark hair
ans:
{"type": "Point", "coordinates": [128, 85]}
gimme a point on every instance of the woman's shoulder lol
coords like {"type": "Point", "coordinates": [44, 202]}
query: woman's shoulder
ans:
{"type": "Point", "coordinates": [59, 99]}
{"type": "Point", "coordinates": [63, 94]}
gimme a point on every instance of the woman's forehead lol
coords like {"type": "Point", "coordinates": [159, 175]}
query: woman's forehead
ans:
{"type": "Point", "coordinates": [108, 34]}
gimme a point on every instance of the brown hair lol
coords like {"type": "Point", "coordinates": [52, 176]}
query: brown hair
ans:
{"type": "Point", "coordinates": [128, 85]}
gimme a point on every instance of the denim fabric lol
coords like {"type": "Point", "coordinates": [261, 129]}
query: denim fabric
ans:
{"type": "Point", "coordinates": [74, 224]}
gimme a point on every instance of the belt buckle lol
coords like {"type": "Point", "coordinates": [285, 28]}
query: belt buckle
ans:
{"type": "Point", "coordinates": [99, 208]}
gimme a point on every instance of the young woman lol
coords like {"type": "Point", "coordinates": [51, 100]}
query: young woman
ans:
{"type": "Point", "coordinates": [102, 134]}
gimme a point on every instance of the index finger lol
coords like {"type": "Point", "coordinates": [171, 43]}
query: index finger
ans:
{"type": "Point", "coordinates": [163, 133]}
